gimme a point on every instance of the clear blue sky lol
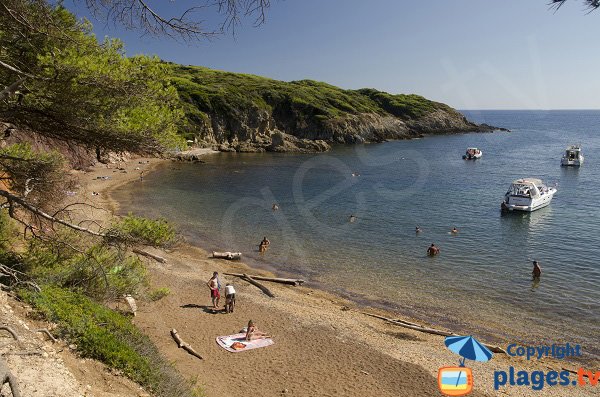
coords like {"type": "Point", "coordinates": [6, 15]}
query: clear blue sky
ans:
{"type": "Point", "coordinates": [470, 54]}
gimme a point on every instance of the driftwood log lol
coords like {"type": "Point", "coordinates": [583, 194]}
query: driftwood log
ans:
{"type": "Point", "coordinates": [290, 281]}
{"type": "Point", "coordinates": [258, 285]}
{"type": "Point", "coordinates": [420, 328]}
{"type": "Point", "coordinates": [227, 255]}
{"type": "Point", "coordinates": [182, 345]}
{"type": "Point", "coordinates": [149, 255]}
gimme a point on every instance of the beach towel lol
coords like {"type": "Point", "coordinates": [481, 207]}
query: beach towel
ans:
{"type": "Point", "coordinates": [237, 343]}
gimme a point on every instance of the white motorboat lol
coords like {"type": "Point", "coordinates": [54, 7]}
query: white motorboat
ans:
{"type": "Point", "coordinates": [527, 194]}
{"type": "Point", "coordinates": [472, 153]}
{"type": "Point", "coordinates": [572, 156]}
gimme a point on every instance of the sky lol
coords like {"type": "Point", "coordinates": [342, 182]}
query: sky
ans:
{"type": "Point", "coordinates": [470, 54]}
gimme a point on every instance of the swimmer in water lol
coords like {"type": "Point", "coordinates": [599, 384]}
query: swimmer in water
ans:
{"type": "Point", "coordinates": [537, 270]}
{"type": "Point", "coordinates": [433, 250]}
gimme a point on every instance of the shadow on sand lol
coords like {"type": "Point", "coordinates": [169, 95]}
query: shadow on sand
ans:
{"type": "Point", "coordinates": [206, 308]}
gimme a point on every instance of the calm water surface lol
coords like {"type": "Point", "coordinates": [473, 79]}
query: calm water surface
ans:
{"type": "Point", "coordinates": [479, 284]}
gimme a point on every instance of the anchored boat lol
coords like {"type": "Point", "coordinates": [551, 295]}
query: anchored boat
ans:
{"type": "Point", "coordinates": [572, 156]}
{"type": "Point", "coordinates": [528, 194]}
{"type": "Point", "coordinates": [472, 153]}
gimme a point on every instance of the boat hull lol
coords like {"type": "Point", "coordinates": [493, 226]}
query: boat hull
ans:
{"type": "Point", "coordinates": [472, 157]}
{"type": "Point", "coordinates": [571, 163]}
{"type": "Point", "coordinates": [527, 205]}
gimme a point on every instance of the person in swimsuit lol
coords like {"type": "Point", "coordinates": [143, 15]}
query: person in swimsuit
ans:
{"type": "Point", "coordinates": [252, 333]}
{"type": "Point", "coordinates": [214, 286]}
{"type": "Point", "coordinates": [537, 270]}
{"type": "Point", "coordinates": [433, 250]}
{"type": "Point", "coordinates": [264, 244]}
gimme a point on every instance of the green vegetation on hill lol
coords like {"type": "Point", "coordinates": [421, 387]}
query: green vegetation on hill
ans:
{"type": "Point", "coordinates": [207, 92]}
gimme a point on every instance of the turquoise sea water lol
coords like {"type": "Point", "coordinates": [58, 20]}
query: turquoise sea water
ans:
{"type": "Point", "coordinates": [480, 283]}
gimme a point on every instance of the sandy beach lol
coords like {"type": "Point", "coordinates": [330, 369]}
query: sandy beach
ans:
{"type": "Point", "coordinates": [324, 345]}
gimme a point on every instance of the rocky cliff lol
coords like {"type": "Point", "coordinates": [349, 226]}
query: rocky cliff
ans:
{"type": "Point", "coordinates": [246, 113]}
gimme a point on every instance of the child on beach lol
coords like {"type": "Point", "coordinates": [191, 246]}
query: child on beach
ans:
{"type": "Point", "coordinates": [214, 286]}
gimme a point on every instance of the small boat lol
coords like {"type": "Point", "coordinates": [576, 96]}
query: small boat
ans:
{"type": "Point", "coordinates": [527, 194]}
{"type": "Point", "coordinates": [572, 156]}
{"type": "Point", "coordinates": [472, 153]}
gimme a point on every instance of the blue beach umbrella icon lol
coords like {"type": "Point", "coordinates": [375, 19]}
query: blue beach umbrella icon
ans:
{"type": "Point", "coordinates": [468, 348]}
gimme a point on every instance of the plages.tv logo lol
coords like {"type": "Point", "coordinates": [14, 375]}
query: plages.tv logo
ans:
{"type": "Point", "coordinates": [458, 381]}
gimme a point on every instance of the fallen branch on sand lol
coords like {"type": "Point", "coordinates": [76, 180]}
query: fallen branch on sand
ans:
{"type": "Point", "coordinates": [182, 345]}
{"type": "Point", "coordinates": [149, 255]}
{"type": "Point", "coordinates": [290, 281]}
{"type": "Point", "coordinates": [420, 328]}
{"type": "Point", "coordinates": [258, 285]}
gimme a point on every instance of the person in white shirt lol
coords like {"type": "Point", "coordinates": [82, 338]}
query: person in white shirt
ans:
{"type": "Point", "coordinates": [229, 298]}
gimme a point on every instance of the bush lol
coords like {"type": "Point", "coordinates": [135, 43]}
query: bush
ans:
{"type": "Point", "coordinates": [138, 230]}
{"type": "Point", "coordinates": [102, 271]}
{"type": "Point", "coordinates": [107, 336]}
{"type": "Point", "coordinates": [159, 293]}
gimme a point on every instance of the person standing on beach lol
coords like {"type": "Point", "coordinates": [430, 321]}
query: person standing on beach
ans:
{"type": "Point", "coordinates": [537, 270]}
{"type": "Point", "coordinates": [229, 298]}
{"type": "Point", "coordinates": [141, 176]}
{"type": "Point", "coordinates": [214, 286]}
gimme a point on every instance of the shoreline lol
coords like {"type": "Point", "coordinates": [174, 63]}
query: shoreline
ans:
{"type": "Point", "coordinates": [425, 352]}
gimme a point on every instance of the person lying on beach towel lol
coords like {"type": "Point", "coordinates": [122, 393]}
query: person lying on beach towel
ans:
{"type": "Point", "coordinates": [252, 332]}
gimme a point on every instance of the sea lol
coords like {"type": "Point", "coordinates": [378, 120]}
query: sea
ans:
{"type": "Point", "coordinates": [346, 223]}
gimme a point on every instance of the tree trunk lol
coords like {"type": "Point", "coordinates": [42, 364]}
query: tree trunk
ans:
{"type": "Point", "coordinates": [289, 281]}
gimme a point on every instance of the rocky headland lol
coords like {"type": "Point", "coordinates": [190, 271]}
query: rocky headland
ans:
{"type": "Point", "coordinates": [246, 113]}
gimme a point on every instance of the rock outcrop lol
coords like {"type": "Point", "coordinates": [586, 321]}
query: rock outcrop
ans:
{"type": "Point", "coordinates": [246, 113]}
{"type": "Point", "coordinates": [254, 130]}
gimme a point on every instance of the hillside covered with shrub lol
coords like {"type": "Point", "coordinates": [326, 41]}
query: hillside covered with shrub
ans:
{"type": "Point", "coordinates": [243, 112]}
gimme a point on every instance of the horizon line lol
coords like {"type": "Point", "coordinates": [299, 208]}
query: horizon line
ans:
{"type": "Point", "coordinates": [500, 109]}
